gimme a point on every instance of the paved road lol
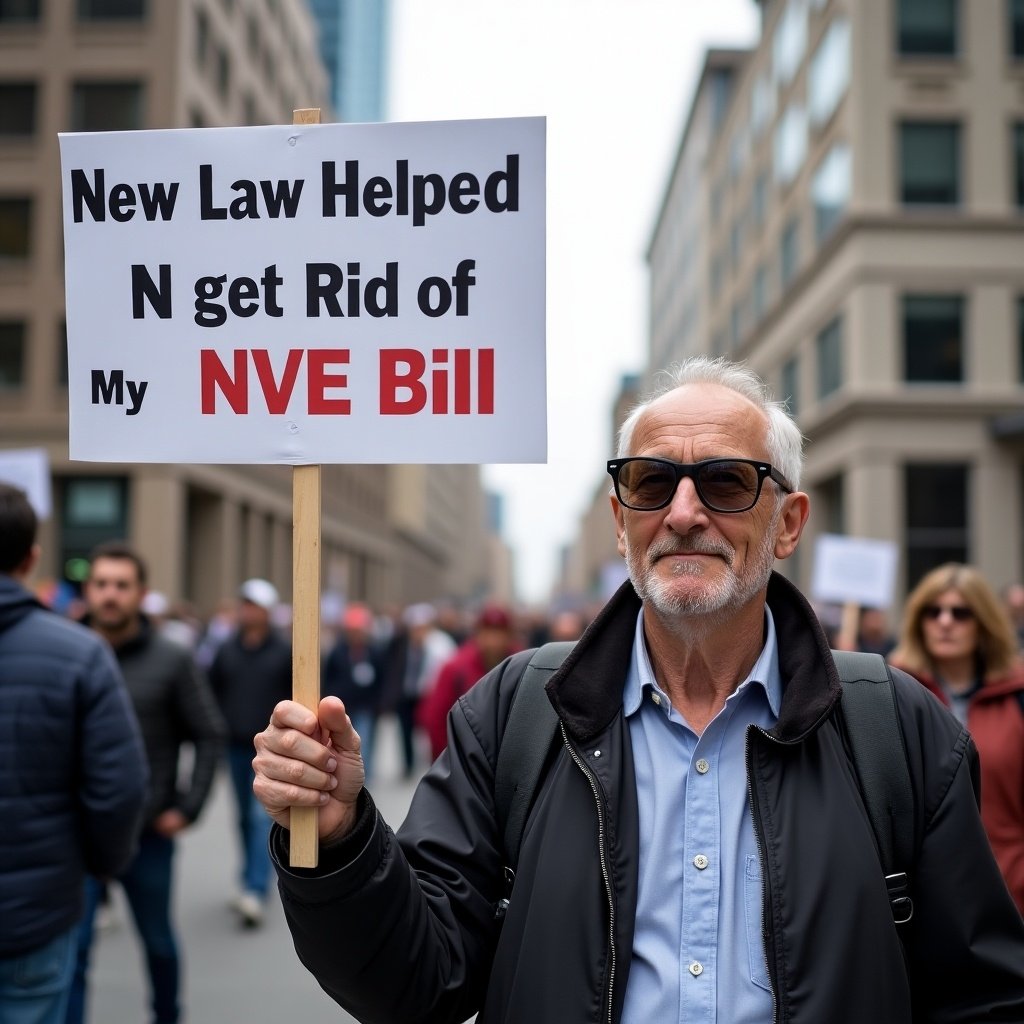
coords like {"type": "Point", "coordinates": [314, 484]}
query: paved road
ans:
{"type": "Point", "coordinates": [230, 975]}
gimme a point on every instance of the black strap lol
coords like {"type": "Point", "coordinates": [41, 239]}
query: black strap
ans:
{"type": "Point", "coordinates": [529, 732]}
{"type": "Point", "coordinates": [880, 760]}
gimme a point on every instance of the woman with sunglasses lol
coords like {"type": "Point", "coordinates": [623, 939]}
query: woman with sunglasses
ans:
{"type": "Point", "coordinates": [958, 641]}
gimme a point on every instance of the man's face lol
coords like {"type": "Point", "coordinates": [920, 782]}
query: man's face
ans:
{"type": "Point", "coordinates": [252, 616]}
{"type": "Point", "coordinates": [685, 559]}
{"type": "Point", "coordinates": [113, 593]}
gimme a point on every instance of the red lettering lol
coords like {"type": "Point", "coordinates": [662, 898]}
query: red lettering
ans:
{"type": "Point", "coordinates": [213, 374]}
{"type": "Point", "coordinates": [485, 381]}
{"type": "Point", "coordinates": [463, 382]}
{"type": "Point", "coordinates": [277, 398]}
{"type": "Point", "coordinates": [391, 380]}
{"type": "Point", "coordinates": [318, 381]}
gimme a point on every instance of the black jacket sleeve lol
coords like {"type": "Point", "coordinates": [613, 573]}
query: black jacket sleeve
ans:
{"type": "Point", "coordinates": [404, 928]}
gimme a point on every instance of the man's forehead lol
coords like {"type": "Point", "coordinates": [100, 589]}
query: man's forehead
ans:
{"type": "Point", "coordinates": [692, 410]}
{"type": "Point", "coordinates": [113, 568]}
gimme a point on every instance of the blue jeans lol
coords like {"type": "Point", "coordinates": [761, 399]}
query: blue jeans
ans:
{"type": "Point", "coordinates": [364, 721]}
{"type": "Point", "coordinates": [147, 885]}
{"type": "Point", "coordinates": [253, 822]}
{"type": "Point", "coordinates": [34, 986]}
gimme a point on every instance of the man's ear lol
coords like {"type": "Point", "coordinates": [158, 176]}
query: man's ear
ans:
{"type": "Point", "coordinates": [29, 563]}
{"type": "Point", "coordinates": [620, 525]}
{"type": "Point", "coordinates": [796, 508]}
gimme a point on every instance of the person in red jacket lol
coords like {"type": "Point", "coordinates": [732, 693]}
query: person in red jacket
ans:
{"type": "Point", "coordinates": [493, 640]}
{"type": "Point", "coordinates": [958, 641]}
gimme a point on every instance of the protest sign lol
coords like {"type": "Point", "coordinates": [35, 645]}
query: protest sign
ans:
{"type": "Point", "coordinates": [854, 570]}
{"type": "Point", "coordinates": [28, 469]}
{"type": "Point", "coordinates": [305, 294]}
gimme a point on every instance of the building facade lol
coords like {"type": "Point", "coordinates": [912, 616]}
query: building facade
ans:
{"type": "Point", "coordinates": [390, 534]}
{"type": "Point", "coordinates": [857, 229]}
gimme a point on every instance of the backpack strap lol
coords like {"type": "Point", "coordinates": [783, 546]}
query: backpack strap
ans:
{"type": "Point", "coordinates": [529, 732]}
{"type": "Point", "coordinates": [880, 761]}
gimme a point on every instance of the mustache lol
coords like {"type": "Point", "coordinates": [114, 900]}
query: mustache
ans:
{"type": "Point", "coordinates": [690, 546]}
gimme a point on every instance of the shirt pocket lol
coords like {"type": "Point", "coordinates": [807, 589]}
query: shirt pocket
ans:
{"type": "Point", "coordinates": [753, 899]}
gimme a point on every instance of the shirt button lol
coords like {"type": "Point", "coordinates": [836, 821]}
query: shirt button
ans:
{"type": "Point", "coordinates": [700, 862]}
{"type": "Point", "coordinates": [703, 767]}
{"type": "Point", "coordinates": [696, 969]}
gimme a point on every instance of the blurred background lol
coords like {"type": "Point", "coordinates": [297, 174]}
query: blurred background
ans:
{"type": "Point", "coordinates": [830, 190]}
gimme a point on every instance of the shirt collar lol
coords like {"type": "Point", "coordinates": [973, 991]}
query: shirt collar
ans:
{"type": "Point", "coordinates": [765, 672]}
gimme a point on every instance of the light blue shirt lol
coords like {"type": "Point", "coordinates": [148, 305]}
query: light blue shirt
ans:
{"type": "Point", "coordinates": [698, 955]}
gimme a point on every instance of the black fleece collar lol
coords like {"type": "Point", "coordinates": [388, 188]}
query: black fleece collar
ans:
{"type": "Point", "coordinates": [587, 690]}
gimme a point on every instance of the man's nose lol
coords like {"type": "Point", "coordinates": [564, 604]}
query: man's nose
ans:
{"type": "Point", "coordinates": [686, 511]}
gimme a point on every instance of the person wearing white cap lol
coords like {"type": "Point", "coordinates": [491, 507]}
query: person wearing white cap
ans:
{"type": "Point", "coordinates": [251, 672]}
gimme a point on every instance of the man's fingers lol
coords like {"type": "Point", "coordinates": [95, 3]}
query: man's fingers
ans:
{"type": "Point", "coordinates": [335, 721]}
{"type": "Point", "coordinates": [283, 782]}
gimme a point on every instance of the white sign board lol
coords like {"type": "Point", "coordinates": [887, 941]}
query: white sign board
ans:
{"type": "Point", "coordinates": [854, 570]}
{"type": "Point", "coordinates": [307, 294]}
{"type": "Point", "coordinates": [29, 470]}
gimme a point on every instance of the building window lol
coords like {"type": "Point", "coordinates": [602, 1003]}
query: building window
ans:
{"type": "Point", "coordinates": [111, 10]}
{"type": "Point", "coordinates": [790, 41]}
{"type": "Point", "coordinates": [789, 251]}
{"type": "Point", "coordinates": [202, 38]}
{"type": "Point", "coordinates": [762, 105]}
{"type": "Point", "coordinates": [106, 106]}
{"type": "Point", "coordinates": [930, 163]}
{"type": "Point", "coordinates": [759, 200]}
{"type": "Point", "coordinates": [1020, 339]}
{"type": "Point", "coordinates": [829, 72]}
{"type": "Point", "coordinates": [19, 10]}
{"type": "Point", "coordinates": [736, 243]}
{"type": "Point", "coordinates": [936, 502]}
{"type": "Point", "coordinates": [933, 339]}
{"type": "Point", "coordinates": [715, 284]}
{"type": "Point", "coordinates": [829, 346]}
{"type": "Point", "coordinates": [12, 354]}
{"type": "Point", "coordinates": [17, 108]}
{"type": "Point", "coordinates": [790, 388]}
{"type": "Point", "coordinates": [926, 28]}
{"type": "Point", "coordinates": [759, 293]}
{"type": "Point", "coordinates": [737, 324]}
{"type": "Point", "coordinates": [1016, 28]}
{"type": "Point", "coordinates": [830, 504]}
{"type": "Point", "coordinates": [15, 227]}
{"type": "Point", "coordinates": [790, 143]}
{"type": "Point", "coordinates": [830, 190]}
{"type": "Point", "coordinates": [223, 73]}
{"type": "Point", "coordinates": [1018, 161]}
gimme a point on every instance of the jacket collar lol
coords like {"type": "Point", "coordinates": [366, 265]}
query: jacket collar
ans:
{"type": "Point", "coordinates": [586, 691]}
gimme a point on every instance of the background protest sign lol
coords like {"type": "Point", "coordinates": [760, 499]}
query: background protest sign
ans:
{"type": "Point", "coordinates": [854, 570]}
{"type": "Point", "coordinates": [307, 294]}
{"type": "Point", "coordinates": [29, 469]}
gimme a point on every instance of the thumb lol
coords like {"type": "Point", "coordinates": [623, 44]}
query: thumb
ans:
{"type": "Point", "coordinates": [334, 720]}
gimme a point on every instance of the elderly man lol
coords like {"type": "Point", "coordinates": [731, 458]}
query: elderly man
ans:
{"type": "Point", "coordinates": [698, 849]}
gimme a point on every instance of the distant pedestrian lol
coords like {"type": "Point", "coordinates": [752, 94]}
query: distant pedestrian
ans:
{"type": "Point", "coordinates": [175, 708]}
{"type": "Point", "coordinates": [493, 640]}
{"type": "Point", "coordinates": [250, 673]}
{"type": "Point", "coordinates": [957, 640]}
{"type": "Point", "coordinates": [414, 658]}
{"type": "Point", "coordinates": [354, 671]}
{"type": "Point", "coordinates": [73, 778]}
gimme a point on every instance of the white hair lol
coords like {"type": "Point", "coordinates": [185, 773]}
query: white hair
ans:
{"type": "Point", "coordinates": [784, 440]}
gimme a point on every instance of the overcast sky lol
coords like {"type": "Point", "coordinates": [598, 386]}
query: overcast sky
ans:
{"type": "Point", "coordinates": [614, 79]}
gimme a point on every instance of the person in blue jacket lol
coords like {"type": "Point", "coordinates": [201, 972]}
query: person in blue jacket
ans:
{"type": "Point", "coordinates": [73, 778]}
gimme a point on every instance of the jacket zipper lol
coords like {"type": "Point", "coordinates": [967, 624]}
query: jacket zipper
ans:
{"type": "Point", "coordinates": [604, 866]}
{"type": "Point", "coordinates": [762, 849]}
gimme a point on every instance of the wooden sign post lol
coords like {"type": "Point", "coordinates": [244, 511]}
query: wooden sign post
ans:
{"type": "Point", "coordinates": [305, 845]}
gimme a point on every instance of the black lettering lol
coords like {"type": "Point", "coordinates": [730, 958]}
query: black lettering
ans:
{"type": "Point", "coordinates": [207, 211]}
{"type": "Point", "coordinates": [208, 313]}
{"type": "Point", "coordinates": [241, 293]}
{"type": "Point", "coordinates": [91, 197]}
{"type": "Point", "coordinates": [106, 390]}
{"type": "Point", "coordinates": [420, 206]}
{"type": "Point", "coordinates": [389, 284]}
{"type": "Point", "coordinates": [462, 186]}
{"type": "Point", "coordinates": [122, 203]}
{"type": "Point", "coordinates": [318, 291]}
{"type": "Point", "coordinates": [349, 188]}
{"type": "Point", "coordinates": [281, 198]}
{"type": "Point", "coordinates": [158, 199]}
{"type": "Point", "coordinates": [144, 288]}
{"type": "Point", "coordinates": [510, 179]}
{"type": "Point", "coordinates": [377, 189]}
{"type": "Point", "coordinates": [245, 205]}
{"type": "Point", "coordinates": [270, 280]}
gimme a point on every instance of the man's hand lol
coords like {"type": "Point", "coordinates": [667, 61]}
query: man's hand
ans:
{"type": "Point", "coordinates": [170, 823]}
{"type": "Point", "coordinates": [310, 760]}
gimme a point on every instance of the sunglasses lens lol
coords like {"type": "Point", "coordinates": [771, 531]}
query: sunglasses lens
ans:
{"type": "Point", "coordinates": [959, 613]}
{"type": "Point", "coordinates": [646, 485]}
{"type": "Point", "coordinates": [728, 486]}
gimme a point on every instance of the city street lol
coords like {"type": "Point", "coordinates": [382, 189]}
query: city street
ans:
{"type": "Point", "coordinates": [231, 975]}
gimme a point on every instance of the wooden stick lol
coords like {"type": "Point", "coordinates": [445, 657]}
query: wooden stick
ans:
{"type": "Point", "coordinates": [304, 843]}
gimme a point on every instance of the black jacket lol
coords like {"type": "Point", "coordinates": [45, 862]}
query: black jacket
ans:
{"type": "Point", "coordinates": [174, 705]}
{"type": "Point", "coordinates": [404, 931]}
{"type": "Point", "coordinates": [249, 681]}
{"type": "Point", "coordinates": [72, 769]}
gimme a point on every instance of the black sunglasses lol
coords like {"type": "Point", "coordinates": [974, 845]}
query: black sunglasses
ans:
{"type": "Point", "coordinates": [645, 483]}
{"type": "Point", "coordinates": [960, 612]}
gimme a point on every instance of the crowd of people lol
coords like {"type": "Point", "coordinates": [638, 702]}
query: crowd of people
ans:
{"type": "Point", "coordinates": [95, 718]}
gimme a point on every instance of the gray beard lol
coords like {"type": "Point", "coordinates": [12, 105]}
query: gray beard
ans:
{"type": "Point", "coordinates": [716, 601]}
